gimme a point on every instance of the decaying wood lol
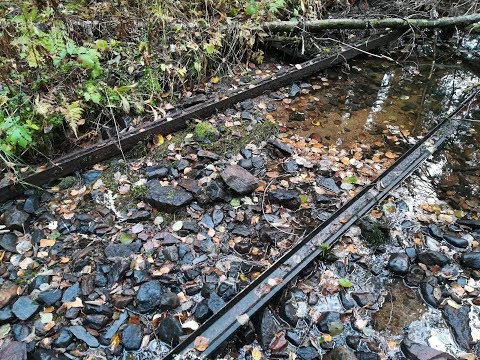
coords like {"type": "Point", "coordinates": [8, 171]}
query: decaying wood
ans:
{"type": "Point", "coordinates": [393, 23]}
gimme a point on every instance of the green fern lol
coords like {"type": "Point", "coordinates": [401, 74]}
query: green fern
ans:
{"type": "Point", "coordinates": [73, 115]}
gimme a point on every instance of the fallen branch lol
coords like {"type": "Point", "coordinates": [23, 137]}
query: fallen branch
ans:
{"type": "Point", "coordinates": [393, 23]}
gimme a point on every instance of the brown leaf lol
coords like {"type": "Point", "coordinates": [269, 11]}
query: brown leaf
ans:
{"type": "Point", "coordinates": [6, 295]}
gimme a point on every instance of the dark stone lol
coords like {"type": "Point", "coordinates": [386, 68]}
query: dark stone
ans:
{"type": "Point", "coordinates": [328, 184]}
{"type": "Point", "coordinates": [217, 216]}
{"type": "Point", "coordinates": [182, 164]}
{"type": "Point", "coordinates": [167, 198]}
{"type": "Point", "coordinates": [364, 298]}
{"type": "Point", "coordinates": [364, 355]}
{"type": "Point", "coordinates": [208, 155]}
{"type": "Point", "coordinates": [15, 219]}
{"type": "Point", "coordinates": [398, 264]}
{"type": "Point", "coordinates": [202, 311]}
{"type": "Point", "coordinates": [296, 116]}
{"type": "Point", "coordinates": [340, 353]}
{"type": "Point", "coordinates": [47, 354]}
{"type": "Point", "coordinates": [347, 302]}
{"type": "Point", "coordinates": [215, 303]}
{"type": "Point", "coordinates": [415, 351]}
{"type": "Point", "coordinates": [426, 290]}
{"type": "Point", "coordinates": [239, 180]}
{"type": "Point", "coordinates": [20, 331]}
{"type": "Point", "coordinates": [307, 353]}
{"type": "Point", "coordinates": [290, 166]}
{"type": "Point", "coordinates": [6, 315]}
{"type": "Point", "coordinates": [459, 322]}
{"type": "Point", "coordinates": [72, 293]}
{"type": "Point", "coordinates": [112, 330]}
{"type": "Point", "coordinates": [287, 198]}
{"type": "Point", "coordinates": [149, 295]}
{"type": "Point", "coordinates": [247, 115]}
{"type": "Point", "coordinates": [246, 104]}
{"type": "Point", "coordinates": [117, 272]}
{"type": "Point", "coordinates": [323, 199]}
{"type": "Point", "coordinates": [91, 176]}
{"type": "Point", "coordinates": [81, 334]}
{"type": "Point", "coordinates": [190, 185]}
{"type": "Point", "coordinates": [207, 221]}
{"type": "Point", "coordinates": [64, 338]}
{"type": "Point", "coordinates": [169, 330]}
{"type": "Point", "coordinates": [257, 162]}
{"type": "Point", "coordinates": [431, 258]}
{"type": "Point", "coordinates": [24, 308]}
{"type": "Point", "coordinates": [284, 148]}
{"type": "Point", "coordinates": [169, 301]}
{"type": "Point", "coordinates": [159, 171]}
{"type": "Point", "coordinates": [170, 253]}
{"type": "Point", "coordinates": [8, 242]}
{"type": "Point", "coordinates": [411, 253]}
{"type": "Point", "coordinates": [132, 337]}
{"type": "Point", "coordinates": [435, 231]}
{"type": "Point", "coordinates": [96, 322]}
{"type": "Point", "coordinates": [353, 341]}
{"type": "Point", "coordinates": [139, 215]}
{"type": "Point", "coordinates": [288, 312]}
{"type": "Point", "coordinates": [122, 250]}
{"type": "Point", "coordinates": [295, 90]}
{"type": "Point", "coordinates": [216, 192]}
{"type": "Point", "coordinates": [241, 230]}
{"type": "Point", "coordinates": [32, 203]}
{"type": "Point", "coordinates": [246, 164]}
{"type": "Point", "coordinates": [50, 297]}
{"type": "Point", "coordinates": [242, 247]}
{"type": "Point", "coordinates": [456, 241]}
{"type": "Point", "coordinates": [72, 313]}
{"type": "Point", "coordinates": [293, 338]}
{"type": "Point", "coordinates": [326, 319]}
{"type": "Point", "coordinates": [415, 276]}
{"type": "Point", "coordinates": [471, 260]}
{"type": "Point", "coordinates": [13, 350]}
{"type": "Point", "coordinates": [474, 224]}
{"type": "Point", "coordinates": [266, 327]}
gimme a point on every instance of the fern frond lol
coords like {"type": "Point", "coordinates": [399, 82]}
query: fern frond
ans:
{"type": "Point", "coordinates": [42, 106]}
{"type": "Point", "coordinates": [73, 115]}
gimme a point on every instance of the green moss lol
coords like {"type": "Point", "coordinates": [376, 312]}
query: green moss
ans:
{"type": "Point", "coordinates": [204, 131]}
{"type": "Point", "coordinates": [375, 237]}
{"type": "Point", "coordinates": [139, 191]}
{"type": "Point", "coordinates": [137, 151]}
{"type": "Point", "coordinates": [67, 182]}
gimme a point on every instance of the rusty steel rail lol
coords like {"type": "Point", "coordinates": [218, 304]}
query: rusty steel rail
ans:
{"type": "Point", "coordinates": [104, 150]}
{"type": "Point", "coordinates": [222, 325]}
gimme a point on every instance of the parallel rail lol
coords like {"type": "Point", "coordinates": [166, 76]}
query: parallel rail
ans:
{"type": "Point", "coordinates": [222, 325]}
{"type": "Point", "coordinates": [89, 156]}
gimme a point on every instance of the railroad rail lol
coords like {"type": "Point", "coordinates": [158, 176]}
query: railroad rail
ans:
{"type": "Point", "coordinates": [106, 149]}
{"type": "Point", "coordinates": [222, 325]}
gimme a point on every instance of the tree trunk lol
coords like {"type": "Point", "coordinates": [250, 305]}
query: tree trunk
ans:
{"type": "Point", "coordinates": [394, 23]}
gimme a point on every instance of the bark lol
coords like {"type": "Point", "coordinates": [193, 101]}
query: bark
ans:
{"type": "Point", "coordinates": [394, 23]}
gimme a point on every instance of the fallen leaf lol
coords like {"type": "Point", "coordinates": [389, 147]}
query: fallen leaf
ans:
{"type": "Point", "coordinates": [201, 343]}
{"type": "Point", "coordinates": [177, 226]}
{"type": "Point", "coordinates": [256, 354]}
{"type": "Point", "coordinates": [215, 80]}
{"type": "Point", "coordinates": [73, 304]}
{"type": "Point", "coordinates": [4, 330]}
{"type": "Point", "coordinates": [47, 242]}
{"type": "Point", "coordinates": [391, 155]}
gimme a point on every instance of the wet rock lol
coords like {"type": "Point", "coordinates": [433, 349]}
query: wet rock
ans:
{"type": "Point", "coordinates": [215, 303]}
{"type": "Point", "coordinates": [81, 334]}
{"type": "Point", "coordinates": [411, 253]}
{"type": "Point", "coordinates": [307, 353]}
{"type": "Point", "coordinates": [122, 250]}
{"type": "Point", "coordinates": [217, 216]}
{"type": "Point", "coordinates": [415, 351]}
{"type": "Point", "coordinates": [15, 219]}
{"type": "Point", "coordinates": [149, 295]}
{"type": "Point", "coordinates": [72, 293]}
{"type": "Point", "coordinates": [169, 301]}
{"type": "Point", "coordinates": [208, 155]}
{"type": "Point", "coordinates": [427, 292]}
{"type": "Point", "coordinates": [287, 198]}
{"type": "Point", "coordinates": [31, 204]}
{"type": "Point", "coordinates": [132, 337]}
{"type": "Point", "coordinates": [24, 308]}
{"type": "Point", "coordinates": [365, 355]}
{"type": "Point", "coordinates": [138, 215]}
{"type": "Point", "coordinates": [474, 224]}
{"type": "Point", "coordinates": [246, 164]}
{"type": "Point", "coordinates": [283, 148]}
{"type": "Point", "coordinates": [241, 230]}
{"type": "Point", "coordinates": [167, 198]}
{"type": "Point", "coordinates": [6, 315]}
{"type": "Point", "coordinates": [456, 241]}
{"type": "Point", "coordinates": [96, 322]}
{"type": "Point", "coordinates": [170, 253]}
{"type": "Point", "coordinates": [288, 312]}
{"type": "Point", "coordinates": [328, 184]}
{"type": "Point", "coordinates": [117, 272]}
{"type": "Point", "coordinates": [398, 264]}
{"type": "Point", "coordinates": [347, 302]}
{"type": "Point", "coordinates": [290, 166]}
{"type": "Point", "coordinates": [89, 177]}
{"type": "Point", "coordinates": [242, 247]}
{"type": "Point", "coordinates": [364, 298]}
{"type": "Point", "coordinates": [159, 171]}
{"type": "Point", "coordinates": [329, 321]}
{"type": "Point", "coordinates": [459, 322]}
{"type": "Point", "coordinates": [435, 231]}
{"type": "Point", "coordinates": [169, 330]}
{"type": "Point", "coordinates": [340, 353]}
{"type": "Point", "coordinates": [116, 325]}
{"type": "Point", "coordinates": [431, 258]}
{"type": "Point", "coordinates": [13, 350]}
{"type": "Point", "coordinates": [202, 311]}
{"type": "Point", "coordinates": [47, 354]}
{"type": "Point", "coordinates": [293, 338]}
{"type": "Point", "coordinates": [190, 185]}
{"type": "Point", "coordinates": [8, 242]}
{"type": "Point", "coordinates": [471, 260]}
{"type": "Point", "coordinates": [64, 338]}
{"type": "Point", "coordinates": [353, 341]}
{"type": "Point", "coordinates": [239, 180]}
{"type": "Point", "coordinates": [20, 332]}
{"type": "Point", "coordinates": [257, 162]}
{"type": "Point", "coordinates": [266, 327]}
{"type": "Point", "coordinates": [216, 192]}
{"type": "Point", "coordinates": [50, 297]}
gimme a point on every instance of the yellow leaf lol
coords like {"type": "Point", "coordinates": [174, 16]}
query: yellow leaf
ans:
{"type": "Point", "coordinates": [215, 80]}
{"type": "Point", "coordinates": [316, 123]}
{"type": "Point", "coordinates": [327, 337]}
{"type": "Point", "coordinates": [115, 340]}
{"type": "Point", "coordinates": [256, 354]}
{"type": "Point", "coordinates": [159, 140]}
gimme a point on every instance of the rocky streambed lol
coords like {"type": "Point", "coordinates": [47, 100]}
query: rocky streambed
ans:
{"type": "Point", "coordinates": [128, 257]}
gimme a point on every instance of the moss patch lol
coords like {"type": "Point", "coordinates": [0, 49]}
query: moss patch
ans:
{"type": "Point", "coordinates": [67, 182]}
{"type": "Point", "coordinates": [204, 131]}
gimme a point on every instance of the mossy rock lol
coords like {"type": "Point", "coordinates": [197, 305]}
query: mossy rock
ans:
{"type": "Point", "coordinates": [67, 182]}
{"type": "Point", "coordinates": [205, 132]}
